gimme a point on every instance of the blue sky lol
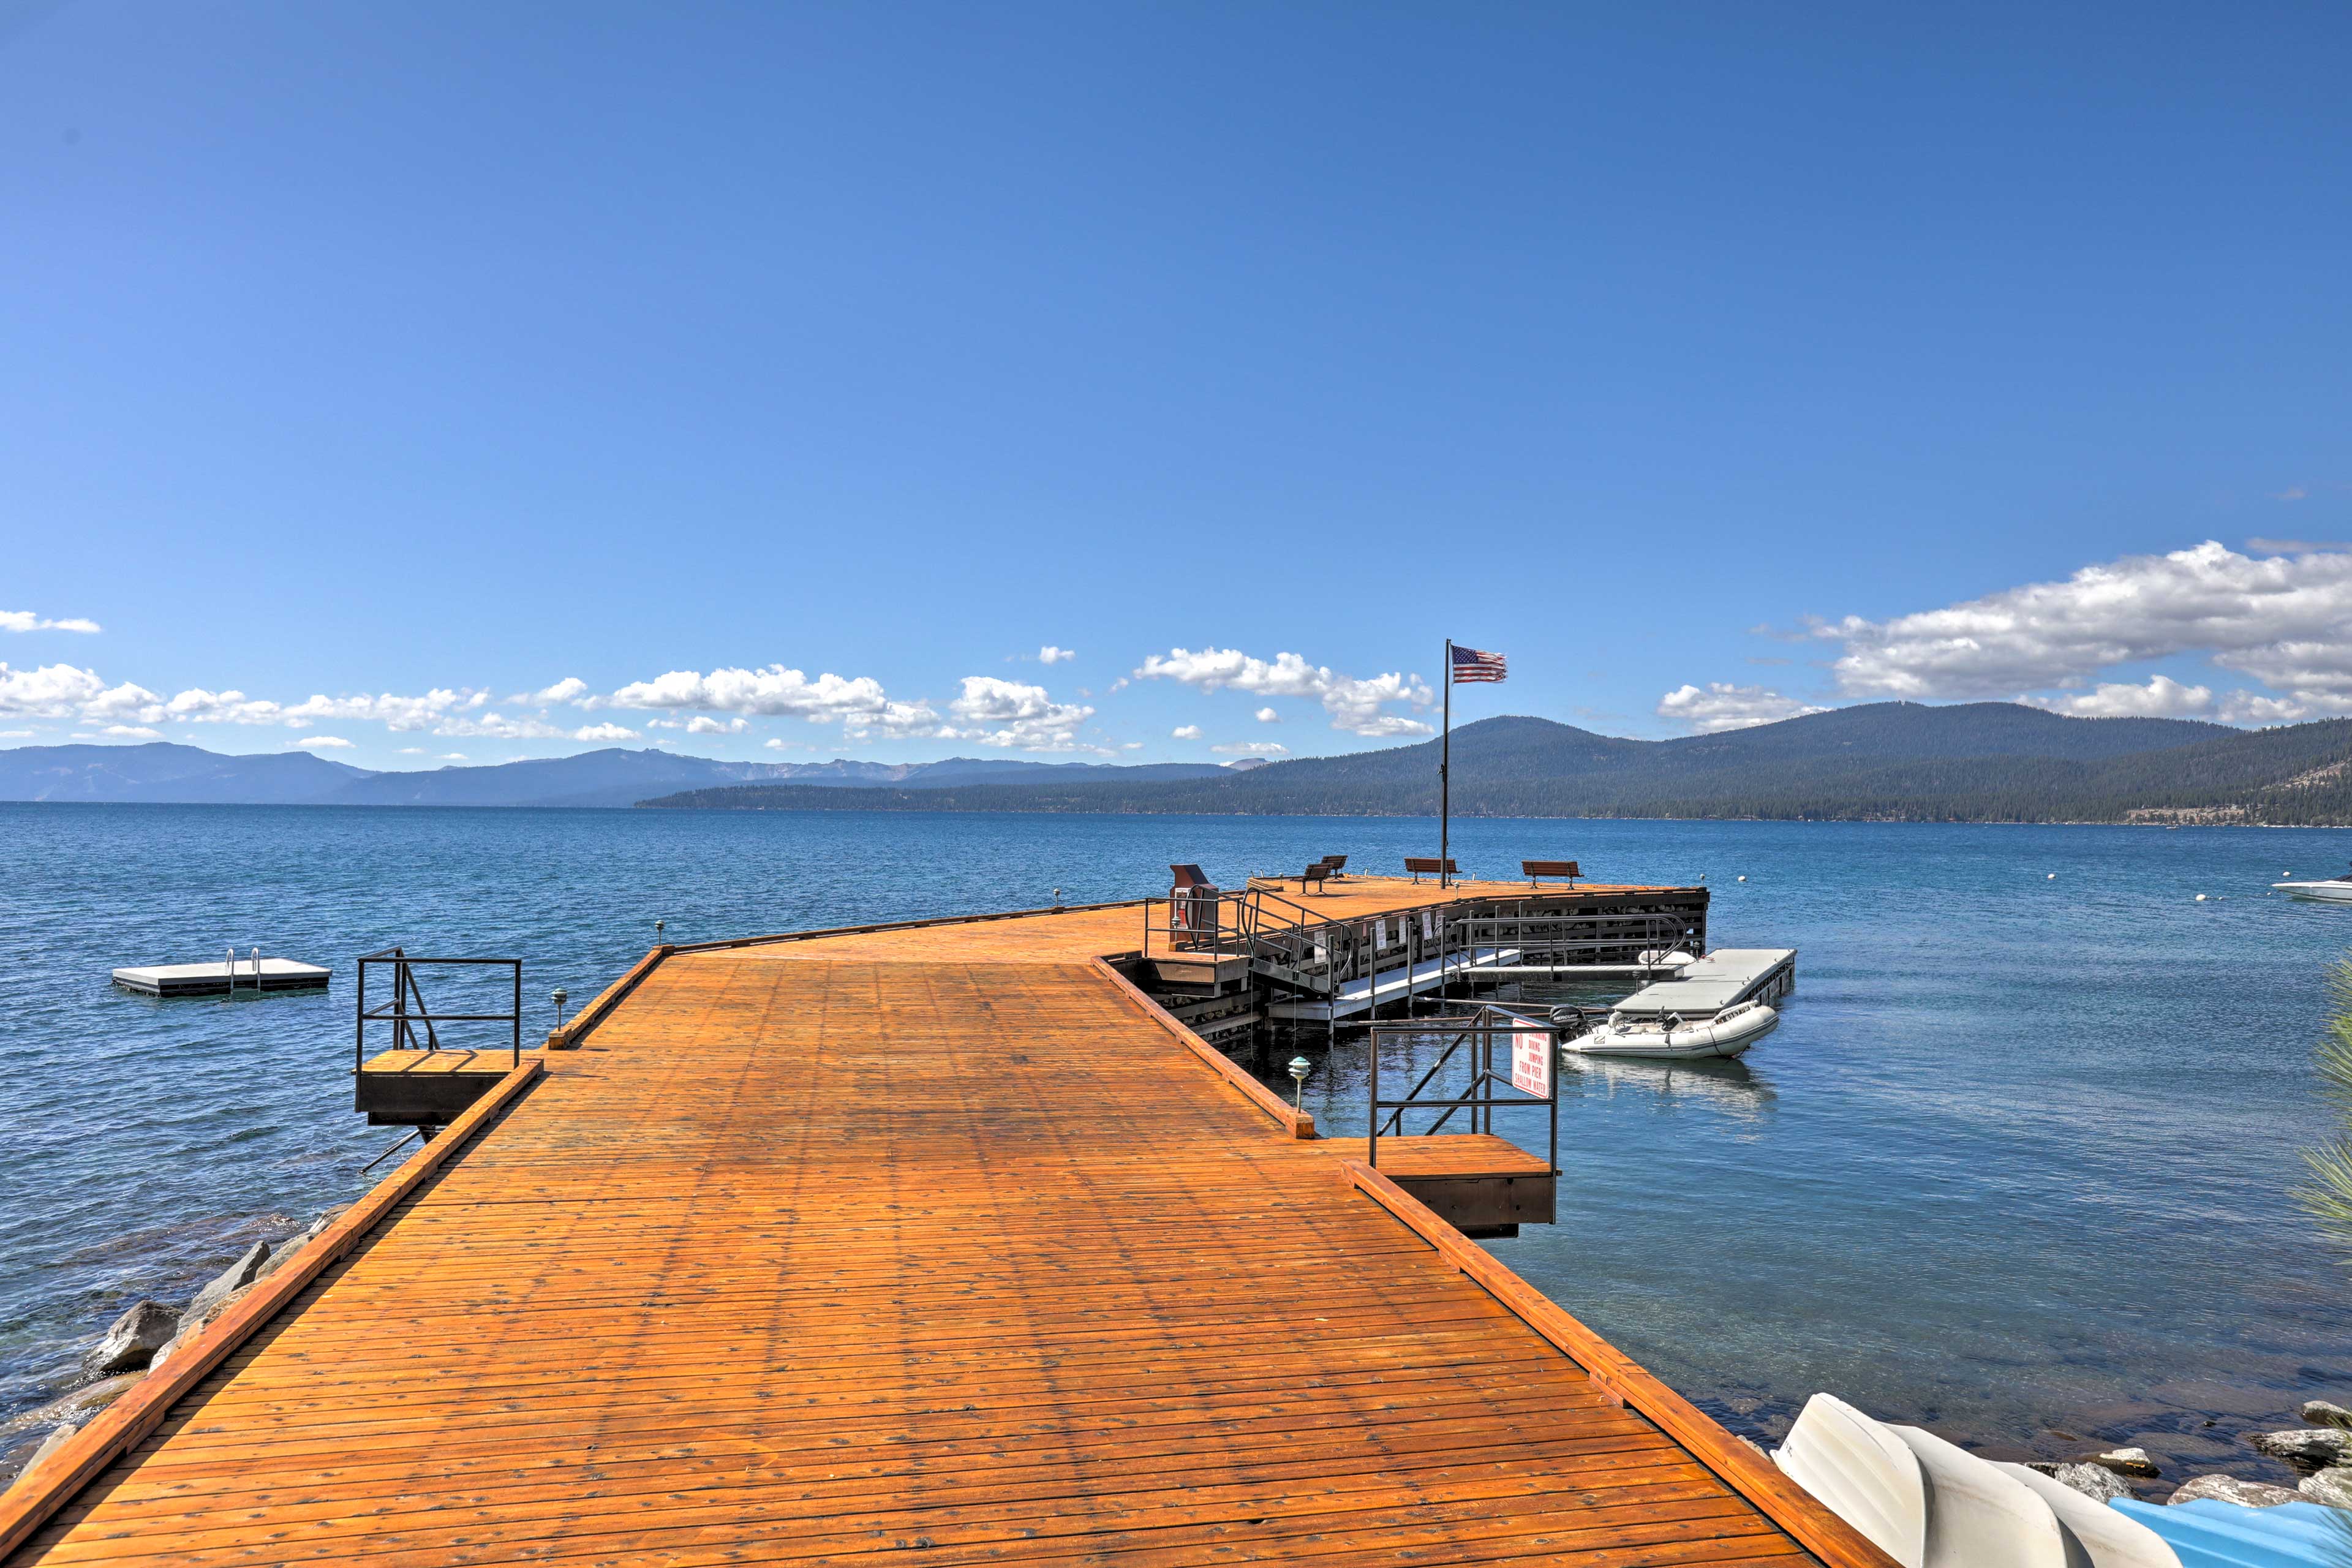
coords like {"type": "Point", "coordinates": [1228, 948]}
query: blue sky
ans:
{"type": "Point", "coordinates": [779, 381]}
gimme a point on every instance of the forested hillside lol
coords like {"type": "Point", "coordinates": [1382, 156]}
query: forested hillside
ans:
{"type": "Point", "coordinates": [1975, 763]}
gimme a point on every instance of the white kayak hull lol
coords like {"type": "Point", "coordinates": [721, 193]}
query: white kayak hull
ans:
{"type": "Point", "coordinates": [1726, 1035]}
{"type": "Point", "coordinates": [1928, 1503]}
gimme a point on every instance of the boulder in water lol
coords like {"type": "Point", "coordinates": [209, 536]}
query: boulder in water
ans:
{"type": "Point", "coordinates": [2314, 1445]}
{"type": "Point", "coordinates": [2230, 1489]}
{"type": "Point", "coordinates": [132, 1342]}
{"type": "Point", "coordinates": [2320, 1413]}
{"type": "Point", "coordinates": [235, 1277]}
{"type": "Point", "coordinates": [2127, 1462]}
{"type": "Point", "coordinates": [2094, 1480]}
{"type": "Point", "coordinates": [2332, 1486]}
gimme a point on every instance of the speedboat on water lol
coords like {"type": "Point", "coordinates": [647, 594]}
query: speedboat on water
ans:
{"type": "Point", "coordinates": [1622, 1033]}
{"type": "Point", "coordinates": [2333, 891]}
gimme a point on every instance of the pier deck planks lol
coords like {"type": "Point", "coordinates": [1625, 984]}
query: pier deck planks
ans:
{"type": "Point", "coordinates": [817, 1251]}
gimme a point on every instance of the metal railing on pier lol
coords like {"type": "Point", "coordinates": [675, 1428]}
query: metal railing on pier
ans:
{"type": "Point", "coordinates": [407, 1020]}
{"type": "Point", "coordinates": [1531, 1077]}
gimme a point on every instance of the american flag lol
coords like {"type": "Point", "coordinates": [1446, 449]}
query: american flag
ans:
{"type": "Point", "coordinates": [1469, 663]}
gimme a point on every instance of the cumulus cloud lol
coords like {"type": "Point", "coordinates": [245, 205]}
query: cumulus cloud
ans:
{"type": "Point", "coordinates": [605, 733]}
{"type": "Point", "coordinates": [26, 621]}
{"type": "Point", "coordinates": [1186, 732]}
{"type": "Point", "coordinates": [1268, 716]}
{"type": "Point", "coordinates": [322, 742]}
{"type": "Point", "coordinates": [1049, 654]}
{"type": "Point", "coordinates": [63, 692]}
{"type": "Point", "coordinates": [131, 732]}
{"type": "Point", "coordinates": [770, 692]}
{"type": "Point", "coordinates": [1252, 749]}
{"type": "Point", "coordinates": [1021, 716]}
{"type": "Point", "coordinates": [703, 724]}
{"type": "Point", "coordinates": [16, 734]}
{"type": "Point", "coordinates": [1356, 706]}
{"type": "Point", "coordinates": [2285, 620]}
{"type": "Point", "coordinates": [1720, 706]}
{"type": "Point", "coordinates": [2161, 698]}
{"type": "Point", "coordinates": [898, 722]}
{"type": "Point", "coordinates": [570, 688]}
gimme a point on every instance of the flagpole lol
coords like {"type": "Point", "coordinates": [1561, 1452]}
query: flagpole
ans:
{"type": "Point", "coordinates": [1445, 769]}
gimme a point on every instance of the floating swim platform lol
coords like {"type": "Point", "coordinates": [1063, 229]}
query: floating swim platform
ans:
{"type": "Point", "coordinates": [221, 979]}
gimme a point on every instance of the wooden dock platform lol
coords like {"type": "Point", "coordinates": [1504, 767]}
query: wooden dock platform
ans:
{"type": "Point", "coordinates": [939, 1243]}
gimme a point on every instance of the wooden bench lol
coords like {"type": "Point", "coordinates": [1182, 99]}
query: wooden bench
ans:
{"type": "Point", "coordinates": [1337, 863]}
{"type": "Point", "coordinates": [1430, 866]}
{"type": "Point", "coordinates": [1537, 870]}
{"type": "Point", "coordinates": [1315, 876]}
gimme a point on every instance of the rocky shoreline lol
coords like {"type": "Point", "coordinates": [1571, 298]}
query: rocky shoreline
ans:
{"type": "Point", "coordinates": [144, 1337]}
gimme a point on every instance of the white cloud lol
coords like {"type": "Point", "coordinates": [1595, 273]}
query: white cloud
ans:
{"type": "Point", "coordinates": [63, 692]}
{"type": "Point", "coordinates": [1186, 732]}
{"type": "Point", "coordinates": [16, 734]}
{"type": "Point", "coordinates": [897, 722]}
{"type": "Point", "coordinates": [1049, 654]}
{"type": "Point", "coordinates": [1268, 716]}
{"type": "Point", "coordinates": [1252, 749]}
{"type": "Point", "coordinates": [2284, 620]}
{"type": "Point", "coordinates": [773, 692]}
{"type": "Point", "coordinates": [131, 732]}
{"type": "Point", "coordinates": [26, 621]}
{"type": "Point", "coordinates": [606, 733]}
{"type": "Point", "coordinates": [1721, 706]}
{"type": "Point", "coordinates": [570, 688]}
{"type": "Point", "coordinates": [2161, 698]}
{"type": "Point", "coordinates": [1355, 705]}
{"type": "Point", "coordinates": [322, 742]}
{"type": "Point", "coordinates": [452, 757]}
{"type": "Point", "coordinates": [412, 751]}
{"type": "Point", "coordinates": [703, 724]}
{"type": "Point", "coordinates": [1025, 717]}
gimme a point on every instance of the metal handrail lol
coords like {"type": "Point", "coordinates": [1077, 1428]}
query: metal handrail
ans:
{"type": "Point", "coordinates": [1483, 1097]}
{"type": "Point", "coordinates": [404, 1020]}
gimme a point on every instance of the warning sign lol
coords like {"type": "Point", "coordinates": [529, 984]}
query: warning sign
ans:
{"type": "Point", "coordinates": [1531, 1062]}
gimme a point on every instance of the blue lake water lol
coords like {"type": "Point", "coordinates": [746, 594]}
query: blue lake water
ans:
{"type": "Point", "coordinates": [2016, 1166]}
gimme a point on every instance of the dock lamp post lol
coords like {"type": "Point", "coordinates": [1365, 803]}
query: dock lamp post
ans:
{"type": "Point", "coordinates": [559, 996]}
{"type": "Point", "coordinates": [1299, 1068]}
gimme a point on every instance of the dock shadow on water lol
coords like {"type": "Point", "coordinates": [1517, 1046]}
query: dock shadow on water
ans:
{"type": "Point", "coordinates": [2017, 1165]}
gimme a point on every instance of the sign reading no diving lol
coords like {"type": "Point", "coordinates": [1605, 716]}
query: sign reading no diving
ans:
{"type": "Point", "coordinates": [1531, 1062]}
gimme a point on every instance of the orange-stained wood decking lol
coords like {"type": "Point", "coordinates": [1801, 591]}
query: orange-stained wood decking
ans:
{"type": "Point", "coordinates": [825, 1252]}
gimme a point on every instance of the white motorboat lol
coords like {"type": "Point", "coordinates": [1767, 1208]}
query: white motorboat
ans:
{"type": "Point", "coordinates": [2331, 889]}
{"type": "Point", "coordinates": [1726, 1034]}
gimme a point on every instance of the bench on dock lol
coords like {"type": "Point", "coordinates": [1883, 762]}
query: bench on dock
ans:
{"type": "Point", "coordinates": [1430, 866]}
{"type": "Point", "coordinates": [1315, 876]}
{"type": "Point", "coordinates": [1537, 870]}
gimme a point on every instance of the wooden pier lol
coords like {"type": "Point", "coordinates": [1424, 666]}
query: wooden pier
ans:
{"type": "Point", "coordinates": [942, 1242]}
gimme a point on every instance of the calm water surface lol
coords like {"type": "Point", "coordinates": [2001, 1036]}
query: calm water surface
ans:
{"type": "Point", "coordinates": [2016, 1166]}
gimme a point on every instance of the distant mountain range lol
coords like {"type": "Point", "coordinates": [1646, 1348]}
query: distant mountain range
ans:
{"type": "Point", "coordinates": [1985, 762]}
{"type": "Point", "coordinates": [161, 772]}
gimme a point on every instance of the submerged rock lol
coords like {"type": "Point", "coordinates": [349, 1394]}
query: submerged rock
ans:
{"type": "Point", "coordinates": [2230, 1489]}
{"type": "Point", "coordinates": [2308, 1445]}
{"type": "Point", "coordinates": [2332, 1486]}
{"type": "Point", "coordinates": [132, 1342]}
{"type": "Point", "coordinates": [2093, 1480]}
{"type": "Point", "coordinates": [2127, 1462]}
{"type": "Point", "coordinates": [236, 1276]}
{"type": "Point", "coordinates": [51, 1444]}
{"type": "Point", "coordinates": [79, 1405]}
{"type": "Point", "coordinates": [2320, 1413]}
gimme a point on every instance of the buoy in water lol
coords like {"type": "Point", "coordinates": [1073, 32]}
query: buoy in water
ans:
{"type": "Point", "coordinates": [1743, 878]}
{"type": "Point", "coordinates": [2201, 898]}
{"type": "Point", "coordinates": [2053, 876]}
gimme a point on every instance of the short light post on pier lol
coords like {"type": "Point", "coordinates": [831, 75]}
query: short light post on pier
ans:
{"type": "Point", "coordinates": [1299, 1068]}
{"type": "Point", "coordinates": [559, 996]}
{"type": "Point", "coordinates": [657, 930]}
